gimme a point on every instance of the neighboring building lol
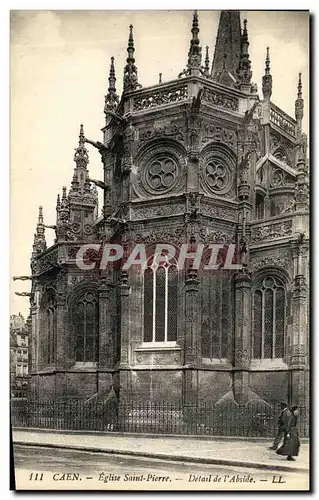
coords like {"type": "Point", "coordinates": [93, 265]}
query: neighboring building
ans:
{"type": "Point", "coordinates": [19, 355]}
{"type": "Point", "coordinates": [199, 159]}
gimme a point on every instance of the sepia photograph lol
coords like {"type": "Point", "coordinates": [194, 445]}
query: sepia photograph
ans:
{"type": "Point", "coordinates": [160, 250]}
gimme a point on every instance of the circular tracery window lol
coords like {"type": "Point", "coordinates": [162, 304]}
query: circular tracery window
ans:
{"type": "Point", "coordinates": [217, 174]}
{"type": "Point", "coordinates": [161, 173]}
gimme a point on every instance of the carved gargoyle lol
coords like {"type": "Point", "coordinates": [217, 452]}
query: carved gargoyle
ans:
{"type": "Point", "coordinates": [100, 184]}
{"type": "Point", "coordinates": [23, 294]}
{"type": "Point", "coordinates": [98, 145]}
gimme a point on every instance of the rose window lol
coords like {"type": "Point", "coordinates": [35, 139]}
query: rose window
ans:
{"type": "Point", "coordinates": [217, 174]}
{"type": "Point", "coordinates": [162, 173]}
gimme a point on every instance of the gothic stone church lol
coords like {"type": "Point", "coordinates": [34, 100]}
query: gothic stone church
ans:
{"type": "Point", "coordinates": [203, 159]}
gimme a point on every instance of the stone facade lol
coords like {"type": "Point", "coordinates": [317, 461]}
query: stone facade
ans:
{"type": "Point", "coordinates": [198, 160]}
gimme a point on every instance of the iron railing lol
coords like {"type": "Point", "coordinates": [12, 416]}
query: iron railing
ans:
{"type": "Point", "coordinates": [252, 420]}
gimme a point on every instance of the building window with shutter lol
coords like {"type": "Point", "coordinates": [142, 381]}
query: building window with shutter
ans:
{"type": "Point", "coordinates": [269, 310]}
{"type": "Point", "coordinates": [86, 320]}
{"type": "Point", "coordinates": [160, 303]}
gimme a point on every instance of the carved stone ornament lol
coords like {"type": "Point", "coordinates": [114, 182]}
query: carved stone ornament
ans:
{"type": "Point", "coordinates": [47, 261]}
{"type": "Point", "coordinates": [162, 235]}
{"type": "Point", "coordinates": [206, 236]}
{"type": "Point", "coordinates": [148, 212]}
{"type": "Point", "coordinates": [242, 356]}
{"type": "Point", "coordinates": [273, 261]}
{"type": "Point", "coordinates": [220, 100]}
{"type": "Point", "coordinates": [173, 130]}
{"type": "Point", "coordinates": [280, 178]}
{"type": "Point", "coordinates": [271, 231]}
{"type": "Point", "coordinates": [160, 98]}
{"type": "Point", "coordinates": [218, 212]}
{"type": "Point", "coordinates": [219, 134]}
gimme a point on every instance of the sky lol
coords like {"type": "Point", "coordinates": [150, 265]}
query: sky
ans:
{"type": "Point", "coordinates": [59, 65]}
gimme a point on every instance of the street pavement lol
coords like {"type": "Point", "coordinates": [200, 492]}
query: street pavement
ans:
{"type": "Point", "coordinates": [61, 469]}
{"type": "Point", "coordinates": [228, 452]}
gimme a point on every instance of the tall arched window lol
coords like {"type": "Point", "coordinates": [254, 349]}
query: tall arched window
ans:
{"type": "Point", "coordinates": [216, 307]}
{"type": "Point", "coordinates": [160, 303]}
{"type": "Point", "coordinates": [260, 206]}
{"type": "Point", "coordinates": [269, 310]}
{"type": "Point", "coordinates": [49, 327]}
{"type": "Point", "coordinates": [86, 321]}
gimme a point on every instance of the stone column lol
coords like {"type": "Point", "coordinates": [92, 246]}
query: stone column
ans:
{"type": "Point", "coordinates": [107, 160]}
{"type": "Point", "coordinates": [125, 319]}
{"type": "Point", "coordinates": [298, 347]}
{"type": "Point", "coordinates": [242, 336]}
{"type": "Point", "coordinates": [192, 349]}
{"type": "Point", "coordinates": [106, 315]}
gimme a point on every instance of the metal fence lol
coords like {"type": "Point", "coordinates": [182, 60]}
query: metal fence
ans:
{"type": "Point", "coordinates": [252, 420]}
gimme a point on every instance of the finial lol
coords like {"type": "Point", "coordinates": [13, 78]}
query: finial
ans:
{"type": "Point", "coordinates": [64, 193]}
{"type": "Point", "coordinates": [267, 78]}
{"type": "Point", "coordinates": [299, 94]}
{"type": "Point", "coordinates": [131, 39]}
{"type": "Point", "coordinates": [160, 78]}
{"type": "Point", "coordinates": [40, 217]}
{"type": "Point", "coordinates": [111, 99]}
{"type": "Point", "coordinates": [81, 156]}
{"type": "Point", "coordinates": [207, 61]}
{"type": "Point", "coordinates": [195, 50]}
{"type": "Point", "coordinates": [267, 66]}
{"type": "Point", "coordinates": [244, 68]}
{"type": "Point", "coordinates": [130, 70]}
{"type": "Point", "coordinates": [39, 244]}
{"type": "Point", "coordinates": [299, 107]}
{"type": "Point", "coordinates": [245, 32]}
{"type": "Point", "coordinates": [58, 202]}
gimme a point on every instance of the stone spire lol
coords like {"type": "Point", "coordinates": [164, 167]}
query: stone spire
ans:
{"type": "Point", "coordinates": [267, 78]}
{"type": "Point", "coordinates": [111, 99]}
{"type": "Point", "coordinates": [130, 70]}
{"type": "Point", "coordinates": [39, 243]}
{"type": "Point", "coordinates": [244, 68]}
{"type": "Point", "coordinates": [195, 50]}
{"type": "Point", "coordinates": [80, 181]}
{"type": "Point", "coordinates": [227, 48]}
{"type": "Point", "coordinates": [299, 107]}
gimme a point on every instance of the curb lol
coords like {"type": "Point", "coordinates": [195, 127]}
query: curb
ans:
{"type": "Point", "coordinates": [163, 456]}
{"type": "Point", "coordinates": [257, 439]}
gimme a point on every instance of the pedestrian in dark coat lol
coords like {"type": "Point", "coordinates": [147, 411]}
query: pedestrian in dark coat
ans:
{"type": "Point", "coordinates": [291, 445]}
{"type": "Point", "coordinates": [282, 425]}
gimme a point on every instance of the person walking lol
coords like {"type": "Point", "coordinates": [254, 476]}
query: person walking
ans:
{"type": "Point", "coordinates": [291, 445]}
{"type": "Point", "coordinates": [282, 425]}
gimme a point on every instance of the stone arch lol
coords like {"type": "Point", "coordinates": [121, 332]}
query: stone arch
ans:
{"type": "Point", "coordinates": [269, 313]}
{"type": "Point", "coordinates": [84, 322]}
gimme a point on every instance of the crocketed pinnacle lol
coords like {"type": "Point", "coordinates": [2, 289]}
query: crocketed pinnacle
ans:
{"type": "Point", "coordinates": [111, 98]}
{"type": "Point", "coordinates": [39, 243]}
{"type": "Point", "coordinates": [130, 70]}
{"type": "Point", "coordinates": [267, 78]}
{"type": "Point", "coordinates": [299, 103]}
{"type": "Point", "coordinates": [244, 72]}
{"type": "Point", "coordinates": [195, 50]}
{"type": "Point", "coordinates": [206, 69]}
{"type": "Point", "coordinates": [81, 156]}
